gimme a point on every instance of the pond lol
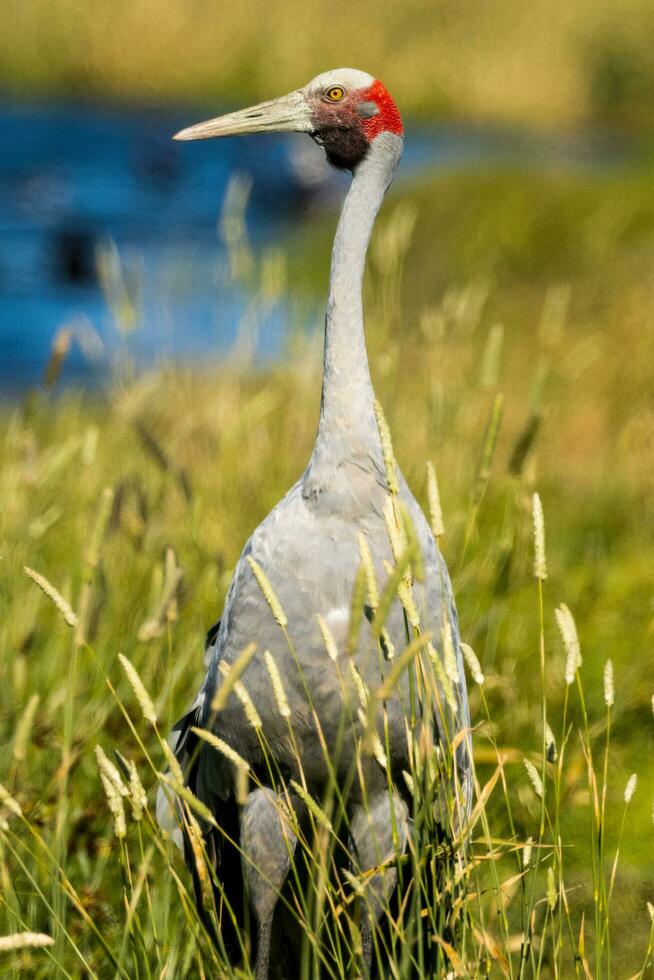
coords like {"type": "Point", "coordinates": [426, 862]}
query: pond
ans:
{"type": "Point", "coordinates": [106, 225]}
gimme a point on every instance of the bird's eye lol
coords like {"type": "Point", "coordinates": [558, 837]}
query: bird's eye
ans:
{"type": "Point", "coordinates": [335, 93]}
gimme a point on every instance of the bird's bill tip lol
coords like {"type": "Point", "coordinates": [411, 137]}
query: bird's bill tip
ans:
{"type": "Point", "coordinates": [185, 134]}
{"type": "Point", "coordinates": [221, 126]}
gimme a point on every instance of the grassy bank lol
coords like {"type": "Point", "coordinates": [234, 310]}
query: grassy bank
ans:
{"type": "Point", "coordinates": [509, 325]}
{"type": "Point", "coordinates": [539, 63]}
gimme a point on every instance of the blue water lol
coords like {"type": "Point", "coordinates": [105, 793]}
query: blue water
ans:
{"type": "Point", "coordinates": [75, 180]}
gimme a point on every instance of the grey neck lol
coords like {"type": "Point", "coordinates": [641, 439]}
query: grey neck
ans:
{"type": "Point", "coordinates": [347, 426]}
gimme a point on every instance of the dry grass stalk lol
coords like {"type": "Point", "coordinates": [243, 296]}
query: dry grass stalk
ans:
{"type": "Point", "coordinates": [8, 802]}
{"type": "Point", "coordinates": [23, 729]}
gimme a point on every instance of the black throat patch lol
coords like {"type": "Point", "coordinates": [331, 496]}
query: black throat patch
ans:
{"type": "Point", "coordinates": [345, 147]}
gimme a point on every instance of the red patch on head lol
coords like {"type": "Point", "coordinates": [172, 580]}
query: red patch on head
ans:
{"type": "Point", "coordinates": [388, 119]}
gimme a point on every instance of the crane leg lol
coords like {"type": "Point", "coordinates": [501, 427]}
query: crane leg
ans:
{"type": "Point", "coordinates": [264, 930]}
{"type": "Point", "coordinates": [379, 832]}
{"type": "Point", "coordinates": [268, 843]}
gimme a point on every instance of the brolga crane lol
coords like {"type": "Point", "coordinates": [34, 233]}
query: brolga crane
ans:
{"type": "Point", "coordinates": [308, 551]}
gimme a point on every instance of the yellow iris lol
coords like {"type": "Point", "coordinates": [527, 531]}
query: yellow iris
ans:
{"type": "Point", "coordinates": [335, 93]}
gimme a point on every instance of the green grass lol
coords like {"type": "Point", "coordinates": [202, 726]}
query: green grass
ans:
{"type": "Point", "coordinates": [193, 461]}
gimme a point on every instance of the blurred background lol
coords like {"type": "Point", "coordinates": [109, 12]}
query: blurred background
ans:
{"type": "Point", "coordinates": [99, 210]}
{"type": "Point", "coordinates": [161, 314]}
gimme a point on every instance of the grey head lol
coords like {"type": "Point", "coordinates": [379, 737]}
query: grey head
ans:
{"type": "Point", "coordinates": [344, 110]}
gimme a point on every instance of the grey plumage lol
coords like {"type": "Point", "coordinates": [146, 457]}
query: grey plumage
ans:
{"type": "Point", "coordinates": [308, 548]}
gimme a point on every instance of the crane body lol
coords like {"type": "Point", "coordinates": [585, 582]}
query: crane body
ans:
{"type": "Point", "coordinates": [309, 549]}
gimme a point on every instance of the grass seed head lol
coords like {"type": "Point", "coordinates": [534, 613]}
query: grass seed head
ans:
{"type": "Point", "coordinates": [540, 561]}
{"type": "Point", "coordinates": [534, 776]}
{"type": "Point", "coordinates": [321, 817]}
{"type": "Point", "coordinates": [173, 761]}
{"type": "Point", "coordinates": [387, 450]}
{"type": "Point", "coordinates": [387, 645]}
{"type": "Point", "coordinates": [443, 679]}
{"type": "Point", "coordinates": [396, 534]}
{"type": "Point", "coordinates": [242, 693]}
{"type": "Point", "coordinates": [473, 664]}
{"type": "Point", "coordinates": [433, 496]}
{"type": "Point", "coordinates": [223, 747]}
{"type": "Point", "coordinates": [609, 689]}
{"type": "Point", "coordinates": [269, 593]}
{"type": "Point", "coordinates": [369, 568]}
{"type": "Point", "coordinates": [106, 766]}
{"type": "Point", "coordinates": [142, 696]}
{"type": "Point", "coordinates": [373, 741]}
{"type": "Point", "coordinates": [359, 685]}
{"type": "Point", "coordinates": [249, 707]}
{"type": "Point", "coordinates": [185, 794]}
{"type": "Point", "coordinates": [25, 940]}
{"type": "Point", "coordinates": [408, 779]}
{"type": "Point", "coordinates": [137, 795]}
{"type": "Point", "coordinates": [328, 639]}
{"type": "Point", "coordinates": [412, 542]}
{"type": "Point", "coordinates": [551, 889]}
{"type": "Point", "coordinates": [355, 883]}
{"type": "Point", "coordinates": [550, 744]}
{"type": "Point", "coordinates": [231, 674]}
{"type": "Point", "coordinates": [526, 852]}
{"type": "Point", "coordinates": [568, 631]}
{"type": "Point", "coordinates": [196, 841]}
{"type": "Point", "coordinates": [165, 610]}
{"type": "Point", "coordinates": [277, 685]}
{"type": "Point", "coordinates": [405, 594]}
{"type": "Point", "coordinates": [69, 617]}
{"type": "Point", "coordinates": [630, 788]}
{"type": "Point", "coordinates": [357, 604]}
{"type": "Point", "coordinates": [449, 656]}
{"type": "Point", "coordinates": [242, 788]}
{"type": "Point", "coordinates": [8, 802]}
{"type": "Point", "coordinates": [114, 790]}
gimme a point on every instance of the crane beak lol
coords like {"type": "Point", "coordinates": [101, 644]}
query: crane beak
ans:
{"type": "Point", "coordinates": [288, 114]}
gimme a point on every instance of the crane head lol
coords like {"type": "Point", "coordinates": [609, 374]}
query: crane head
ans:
{"type": "Point", "coordinates": [344, 110]}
